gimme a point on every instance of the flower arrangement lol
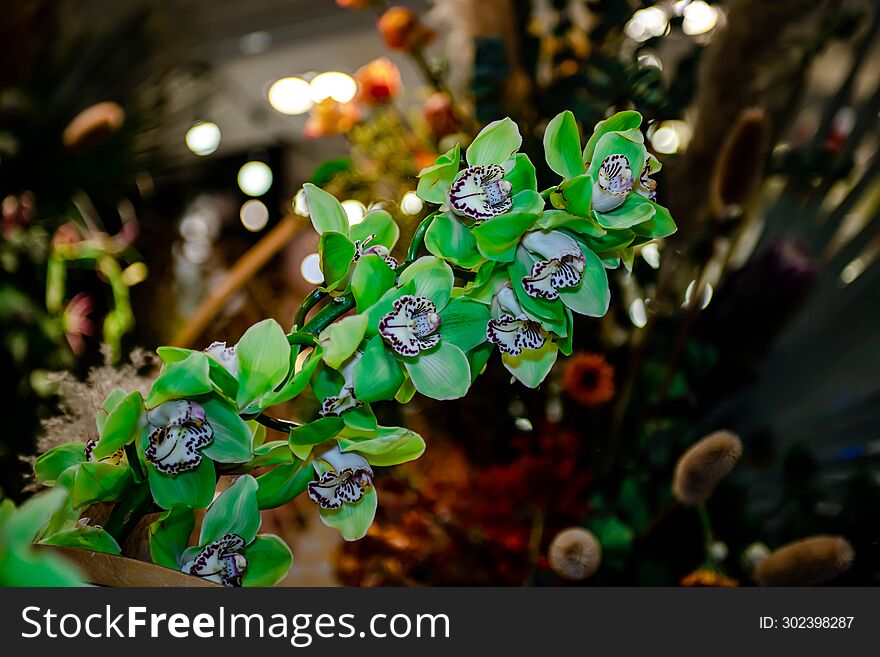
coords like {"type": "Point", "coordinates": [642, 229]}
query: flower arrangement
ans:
{"type": "Point", "coordinates": [507, 267]}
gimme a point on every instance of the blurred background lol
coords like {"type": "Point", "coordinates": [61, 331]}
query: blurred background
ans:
{"type": "Point", "coordinates": [152, 155]}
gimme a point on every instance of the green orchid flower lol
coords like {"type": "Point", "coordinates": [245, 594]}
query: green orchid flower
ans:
{"type": "Point", "coordinates": [496, 182]}
{"type": "Point", "coordinates": [229, 551]}
{"type": "Point", "coordinates": [343, 247]}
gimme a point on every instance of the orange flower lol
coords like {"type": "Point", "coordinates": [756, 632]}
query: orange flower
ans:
{"type": "Point", "coordinates": [93, 125]}
{"type": "Point", "coordinates": [331, 118]}
{"type": "Point", "coordinates": [378, 81]}
{"type": "Point", "coordinates": [402, 30]}
{"type": "Point", "coordinates": [439, 114]}
{"type": "Point", "coordinates": [589, 379]}
{"type": "Point", "coordinates": [354, 4]}
{"type": "Point", "coordinates": [707, 577]}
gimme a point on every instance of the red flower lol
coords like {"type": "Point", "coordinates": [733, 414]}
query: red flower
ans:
{"type": "Point", "coordinates": [402, 30]}
{"type": "Point", "coordinates": [588, 379]}
{"type": "Point", "coordinates": [354, 4]}
{"type": "Point", "coordinates": [378, 81]}
{"type": "Point", "coordinates": [440, 114]}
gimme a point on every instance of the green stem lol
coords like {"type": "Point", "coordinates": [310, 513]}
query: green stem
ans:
{"type": "Point", "coordinates": [418, 238]}
{"type": "Point", "coordinates": [284, 426]}
{"type": "Point", "coordinates": [327, 315]}
{"type": "Point", "coordinates": [546, 193]}
{"type": "Point", "coordinates": [308, 303]}
{"type": "Point", "coordinates": [299, 337]}
{"type": "Point", "coordinates": [134, 462]}
{"type": "Point", "coordinates": [127, 512]}
{"type": "Point", "coordinates": [706, 524]}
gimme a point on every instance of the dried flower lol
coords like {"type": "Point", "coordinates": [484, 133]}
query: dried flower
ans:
{"type": "Point", "coordinates": [439, 114]}
{"type": "Point", "coordinates": [378, 81]}
{"type": "Point", "coordinates": [331, 118]}
{"type": "Point", "coordinates": [740, 163]}
{"type": "Point", "coordinates": [588, 379]}
{"type": "Point", "coordinates": [701, 468]}
{"type": "Point", "coordinates": [402, 30]}
{"type": "Point", "coordinates": [93, 125]}
{"type": "Point", "coordinates": [575, 554]}
{"type": "Point", "coordinates": [806, 562]}
{"type": "Point", "coordinates": [708, 577]}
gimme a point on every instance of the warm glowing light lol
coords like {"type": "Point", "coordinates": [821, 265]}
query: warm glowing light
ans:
{"type": "Point", "coordinates": [311, 269]}
{"type": "Point", "coordinates": [707, 295]}
{"type": "Point", "coordinates": [340, 87]}
{"type": "Point", "coordinates": [203, 138]}
{"type": "Point", "coordinates": [853, 270]}
{"type": "Point", "coordinates": [300, 204]}
{"type": "Point", "coordinates": [355, 211]}
{"type": "Point", "coordinates": [255, 178]}
{"type": "Point", "coordinates": [523, 424]}
{"type": "Point", "coordinates": [647, 23]}
{"type": "Point", "coordinates": [666, 139]}
{"type": "Point", "coordinates": [411, 203]}
{"type": "Point", "coordinates": [254, 215]}
{"type": "Point", "coordinates": [651, 254]}
{"type": "Point", "coordinates": [290, 96]}
{"type": "Point", "coordinates": [699, 18]}
{"type": "Point", "coordinates": [638, 315]}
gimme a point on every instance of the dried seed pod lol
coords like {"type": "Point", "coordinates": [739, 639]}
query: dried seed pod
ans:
{"type": "Point", "coordinates": [806, 562]}
{"type": "Point", "coordinates": [704, 465]}
{"type": "Point", "coordinates": [740, 163]}
{"type": "Point", "coordinates": [93, 125]}
{"type": "Point", "coordinates": [575, 554]}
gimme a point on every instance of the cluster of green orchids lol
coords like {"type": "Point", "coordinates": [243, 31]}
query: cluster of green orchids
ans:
{"type": "Point", "coordinates": [506, 267]}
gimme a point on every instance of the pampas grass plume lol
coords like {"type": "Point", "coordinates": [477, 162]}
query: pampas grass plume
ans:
{"type": "Point", "coordinates": [805, 562]}
{"type": "Point", "coordinates": [702, 467]}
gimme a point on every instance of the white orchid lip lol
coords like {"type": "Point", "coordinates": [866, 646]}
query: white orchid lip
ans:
{"type": "Point", "coordinates": [562, 265]}
{"type": "Point", "coordinates": [513, 330]}
{"type": "Point", "coordinates": [647, 186]}
{"type": "Point", "coordinates": [614, 182]}
{"type": "Point", "coordinates": [180, 430]}
{"type": "Point", "coordinates": [219, 561]}
{"type": "Point", "coordinates": [409, 328]}
{"type": "Point", "coordinates": [347, 480]}
{"type": "Point", "coordinates": [361, 249]}
{"type": "Point", "coordinates": [481, 192]}
{"type": "Point", "coordinates": [224, 355]}
{"type": "Point", "coordinates": [346, 399]}
{"type": "Point", "coordinates": [114, 458]}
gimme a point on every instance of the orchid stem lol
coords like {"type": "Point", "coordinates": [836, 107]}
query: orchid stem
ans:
{"type": "Point", "coordinates": [284, 426]}
{"type": "Point", "coordinates": [547, 192]}
{"type": "Point", "coordinates": [418, 238]}
{"type": "Point", "coordinates": [134, 462]}
{"type": "Point", "coordinates": [308, 303]}
{"type": "Point", "coordinates": [127, 512]}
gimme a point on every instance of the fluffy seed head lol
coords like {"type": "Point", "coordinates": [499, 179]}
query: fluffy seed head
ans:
{"type": "Point", "coordinates": [806, 562]}
{"type": "Point", "coordinates": [575, 554]}
{"type": "Point", "coordinates": [701, 468]}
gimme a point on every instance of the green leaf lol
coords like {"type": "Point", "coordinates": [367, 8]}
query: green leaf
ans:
{"type": "Point", "coordinates": [441, 373]}
{"type": "Point", "coordinates": [121, 426]}
{"type": "Point", "coordinates": [497, 238]}
{"type": "Point", "coordinates": [451, 240]}
{"type": "Point", "coordinates": [341, 339]}
{"type": "Point", "coordinates": [577, 195]}
{"type": "Point", "coordinates": [352, 520]}
{"type": "Point", "coordinates": [435, 180]}
{"type": "Point", "coordinates": [532, 366]}
{"type": "Point", "coordinates": [556, 219]}
{"type": "Point", "coordinates": [263, 361]}
{"type": "Point", "coordinates": [180, 380]}
{"type": "Point", "coordinates": [169, 536]}
{"type": "Point", "coordinates": [659, 225]}
{"type": "Point", "coordinates": [235, 511]}
{"type": "Point", "coordinates": [303, 438]}
{"type": "Point", "coordinates": [282, 483]}
{"type": "Point", "coordinates": [232, 441]}
{"type": "Point", "coordinates": [635, 210]}
{"type": "Point", "coordinates": [377, 375]}
{"type": "Point", "coordinates": [326, 212]}
{"type": "Point", "coordinates": [85, 538]}
{"type": "Point", "coordinates": [521, 175]}
{"type": "Point", "coordinates": [51, 464]}
{"type": "Point", "coordinates": [99, 482]}
{"type": "Point", "coordinates": [433, 279]}
{"type": "Point", "coordinates": [371, 278]}
{"type": "Point", "coordinates": [269, 561]}
{"type": "Point", "coordinates": [193, 488]}
{"type": "Point", "coordinates": [463, 323]}
{"type": "Point", "coordinates": [495, 144]}
{"type": "Point", "coordinates": [380, 224]}
{"type": "Point", "coordinates": [562, 145]}
{"type": "Point", "coordinates": [622, 121]}
{"type": "Point", "coordinates": [392, 446]}
{"type": "Point", "coordinates": [591, 296]}
{"type": "Point", "coordinates": [336, 252]}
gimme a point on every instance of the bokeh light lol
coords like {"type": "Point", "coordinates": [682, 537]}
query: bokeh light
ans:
{"type": "Point", "coordinates": [310, 268]}
{"type": "Point", "coordinates": [411, 204]}
{"type": "Point", "coordinates": [699, 18]}
{"type": "Point", "coordinates": [203, 138]}
{"type": "Point", "coordinates": [647, 23]}
{"type": "Point", "coordinates": [290, 96]}
{"type": "Point", "coordinates": [255, 178]}
{"type": "Point", "coordinates": [254, 215]}
{"type": "Point", "coordinates": [340, 87]}
{"type": "Point", "coordinates": [355, 211]}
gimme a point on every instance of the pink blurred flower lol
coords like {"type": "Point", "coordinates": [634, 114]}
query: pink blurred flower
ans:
{"type": "Point", "coordinates": [76, 322]}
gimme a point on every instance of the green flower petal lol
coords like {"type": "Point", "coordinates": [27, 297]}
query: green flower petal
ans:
{"type": "Point", "coordinates": [442, 373]}
{"type": "Point", "coordinates": [591, 296]}
{"type": "Point", "coordinates": [556, 219]}
{"type": "Point", "coordinates": [451, 240]}
{"type": "Point", "coordinates": [184, 379]}
{"type": "Point", "coordinates": [521, 174]}
{"type": "Point", "coordinates": [380, 224]}
{"type": "Point", "coordinates": [336, 252]}
{"type": "Point", "coordinates": [263, 360]}
{"type": "Point", "coordinates": [527, 201]}
{"type": "Point", "coordinates": [495, 144]}
{"type": "Point", "coordinates": [169, 536]}
{"type": "Point", "coordinates": [360, 418]}
{"type": "Point", "coordinates": [232, 441]}
{"type": "Point", "coordinates": [268, 559]}
{"type": "Point", "coordinates": [576, 195]}
{"type": "Point", "coordinates": [497, 238]}
{"type": "Point", "coordinates": [463, 323]}
{"type": "Point", "coordinates": [435, 180]}
{"type": "Point", "coordinates": [615, 143]}
{"type": "Point", "coordinates": [303, 438]}
{"type": "Point", "coordinates": [98, 482]}
{"type": "Point", "coordinates": [353, 520]}
{"type": "Point", "coordinates": [562, 145]}
{"type": "Point", "coordinates": [532, 366]}
{"type": "Point", "coordinates": [85, 538]}
{"type": "Point", "coordinates": [295, 383]}
{"type": "Point", "coordinates": [628, 120]}
{"type": "Point", "coordinates": [433, 279]}
{"type": "Point", "coordinates": [659, 225]}
{"type": "Point", "coordinates": [392, 446]}
{"type": "Point", "coordinates": [193, 488]}
{"type": "Point", "coordinates": [341, 339]}
{"type": "Point", "coordinates": [377, 375]}
{"type": "Point", "coordinates": [635, 210]}
{"type": "Point", "coordinates": [282, 483]}
{"type": "Point", "coordinates": [371, 278]}
{"type": "Point", "coordinates": [235, 511]}
{"type": "Point", "coordinates": [49, 465]}
{"type": "Point", "coordinates": [121, 426]}
{"type": "Point", "coordinates": [326, 212]}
